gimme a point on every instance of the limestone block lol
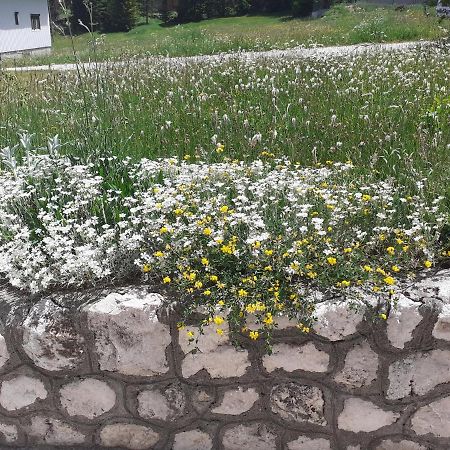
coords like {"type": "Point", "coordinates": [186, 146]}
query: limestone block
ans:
{"type": "Point", "coordinates": [8, 433]}
{"type": "Point", "coordinates": [437, 285]}
{"type": "Point", "coordinates": [441, 329]}
{"type": "Point", "coordinates": [51, 431]}
{"type": "Point", "coordinates": [21, 391]}
{"type": "Point", "coordinates": [194, 439]}
{"type": "Point", "coordinates": [87, 397]}
{"type": "Point", "coordinates": [305, 443]}
{"type": "Point", "coordinates": [298, 403]}
{"type": "Point", "coordinates": [4, 354]}
{"type": "Point", "coordinates": [295, 357]}
{"type": "Point", "coordinates": [362, 415]}
{"type": "Point", "coordinates": [127, 435]}
{"type": "Point", "coordinates": [237, 401]}
{"type": "Point", "coordinates": [433, 418]}
{"type": "Point", "coordinates": [216, 354]}
{"type": "Point", "coordinates": [402, 321]}
{"type": "Point", "coordinates": [129, 339]}
{"type": "Point", "coordinates": [50, 337]}
{"type": "Point", "coordinates": [202, 399]}
{"type": "Point", "coordinates": [418, 374]}
{"type": "Point", "coordinates": [401, 445]}
{"type": "Point", "coordinates": [335, 320]}
{"type": "Point", "coordinates": [360, 369]}
{"type": "Point", "coordinates": [256, 436]}
{"type": "Point", "coordinates": [163, 404]}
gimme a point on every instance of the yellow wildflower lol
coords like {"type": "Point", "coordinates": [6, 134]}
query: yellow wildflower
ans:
{"type": "Point", "coordinates": [390, 250]}
{"type": "Point", "coordinates": [427, 264]}
{"type": "Point", "coordinates": [205, 261]}
{"type": "Point", "coordinates": [218, 320]}
{"type": "Point", "coordinates": [254, 335]}
{"type": "Point", "coordinates": [395, 269]}
{"type": "Point", "coordinates": [224, 209]}
{"type": "Point", "coordinates": [219, 331]}
{"type": "Point", "coordinates": [389, 280]}
{"type": "Point", "coordinates": [207, 231]}
{"type": "Point", "coordinates": [166, 280]}
{"type": "Point", "coordinates": [158, 254]}
{"type": "Point", "coordinates": [268, 320]}
{"type": "Point", "coordinates": [147, 268]}
{"type": "Point", "coordinates": [331, 261]}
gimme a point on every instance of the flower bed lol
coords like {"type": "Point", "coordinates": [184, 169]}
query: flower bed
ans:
{"type": "Point", "coordinates": [242, 242]}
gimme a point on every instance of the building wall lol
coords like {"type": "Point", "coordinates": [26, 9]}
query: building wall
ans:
{"type": "Point", "coordinates": [14, 38]}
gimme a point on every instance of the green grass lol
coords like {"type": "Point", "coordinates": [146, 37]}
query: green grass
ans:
{"type": "Point", "coordinates": [340, 25]}
{"type": "Point", "coordinates": [375, 110]}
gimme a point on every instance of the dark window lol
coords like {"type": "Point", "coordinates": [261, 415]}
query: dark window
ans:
{"type": "Point", "coordinates": [16, 18]}
{"type": "Point", "coordinates": [35, 21]}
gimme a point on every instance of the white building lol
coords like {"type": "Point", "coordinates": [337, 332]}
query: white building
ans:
{"type": "Point", "coordinates": [24, 27]}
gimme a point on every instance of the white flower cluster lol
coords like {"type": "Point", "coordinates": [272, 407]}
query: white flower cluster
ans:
{"type": "Point", "coordinates": [61, 224]}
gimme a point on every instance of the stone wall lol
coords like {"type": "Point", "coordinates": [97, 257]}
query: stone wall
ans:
{"type": "Point", "coordinates": [108, 368]}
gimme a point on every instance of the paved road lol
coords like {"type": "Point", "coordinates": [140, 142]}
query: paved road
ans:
{"type": "Point", "coordinates": [295, 53]}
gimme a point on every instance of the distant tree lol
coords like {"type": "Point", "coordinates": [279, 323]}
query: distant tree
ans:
{"type": "Point", "coordinates": [146, 8]}
{"type": "Point", "coordinates": [121, 15]}
{"type": "Point", "coordinates": [80, 13]}
{"type": "Point", "coordinates": [302, 8]}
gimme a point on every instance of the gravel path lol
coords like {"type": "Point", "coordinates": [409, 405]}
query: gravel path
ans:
{"type": "Point", "coordinates": [297, 53]}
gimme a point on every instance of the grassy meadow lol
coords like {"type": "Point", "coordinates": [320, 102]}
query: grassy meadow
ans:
{"type": "Point", "coordinates": [242, 185]}
{"type": "Point", "coordinates": [341, 25]}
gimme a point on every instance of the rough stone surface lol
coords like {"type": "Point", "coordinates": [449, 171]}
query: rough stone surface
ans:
{"type": "Point", "coordinates": [237, 401]}
{"type": "Point", "coordinates": [50, 337]}
{"type": "Point", "coordinates": [436, 285]}
{"type": "Point", "coordinates": [127, 435]}
{"type": "Point", "coordinates": [362, 415]}
{"type": "Point", "coordinates": [433, 418]}
{"type": "Point", "coordinates": [87, 397]}
{"type": "Point", "coordinates": [215, 354]}
{"type": "Point", "coordinates": [8, 433]}
{"type": "Point", "coordinates": [305, 443]}
{"type": "Point", "coordinates": [298, 403]}
{"type": "Point", "coordinates": [47, 430]}
{"type": "Point", "coordinates": [399, 445]}
{"type": "Point", "coordinates": [293, 357]}
{"type": "Point", "coordinates": [441, 329]}
{"type": "Point", "coordinates": [336, 321]}
{"type": "Point", "coordinates": [256, 436]}
{"type": "Point", "coordinates": [138, 385]}
{"type": "Point", "coordinates": [21, 391]}
{"type": "Point", "coordinates": [4, 354]}
{"type": "Point", "coordinates": [360, 369]}
{"type": "Point", "coordinates": [194, 439]}
{"type": "Point", "coordinates": [403, 321]}
{"type": "Point", "coordinates": [166, 404]}
{"type": "Point", "coordinates": [418, 374]}
{"type": "Point", "coordinates": [129, 339]}
{"type": "Point", "coordinates": [202, 399]}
